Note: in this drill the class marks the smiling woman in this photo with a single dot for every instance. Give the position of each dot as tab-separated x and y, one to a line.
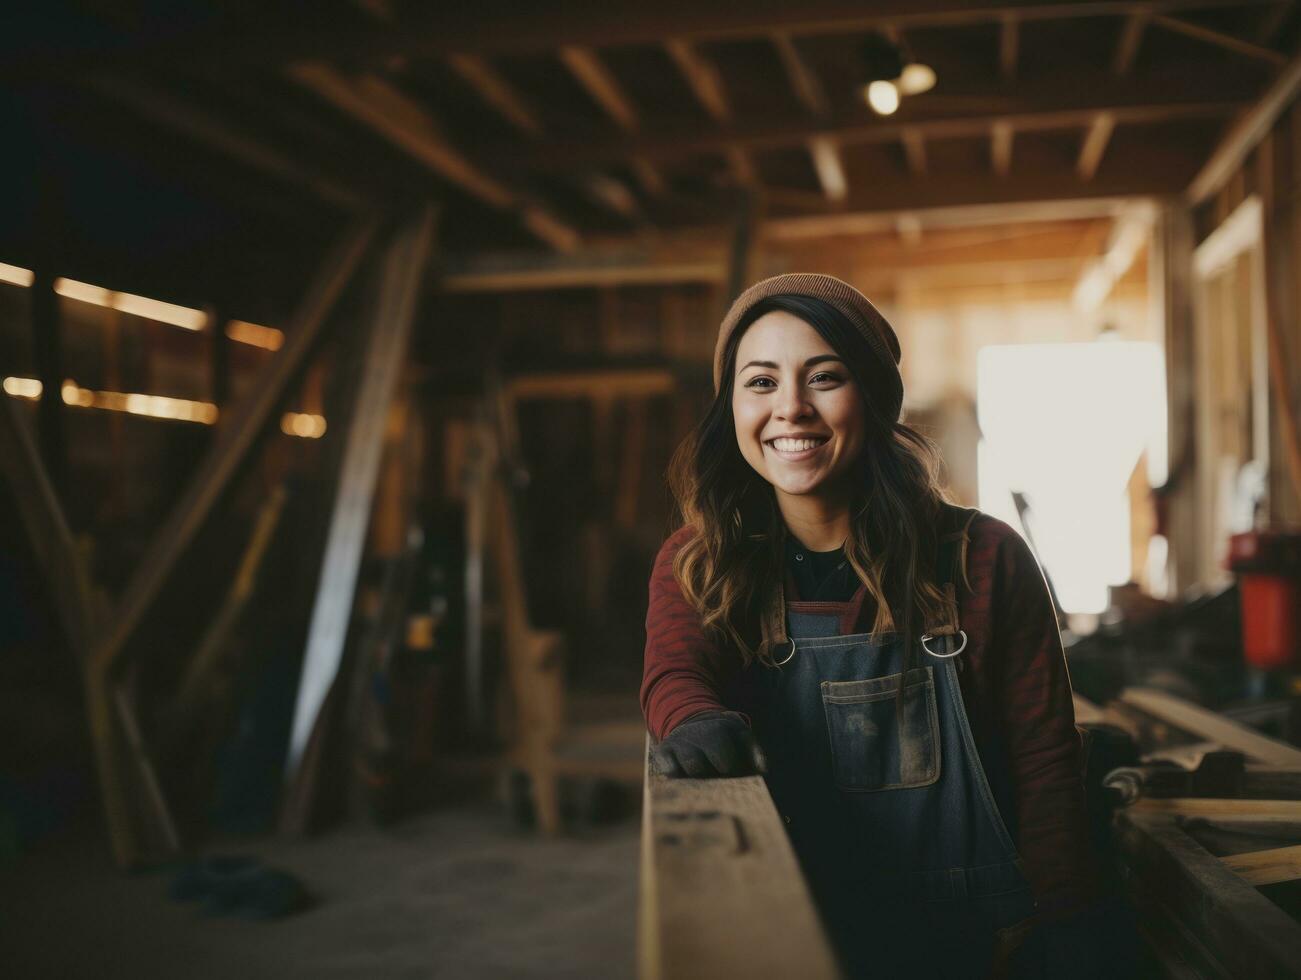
889	661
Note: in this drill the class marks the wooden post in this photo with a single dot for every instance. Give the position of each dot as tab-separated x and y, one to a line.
402	274
48	350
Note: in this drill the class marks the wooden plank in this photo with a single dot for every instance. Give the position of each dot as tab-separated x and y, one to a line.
1095	145
401	277
722	894
1008	42
47	527
591	73
406	124
1247	934
1227	41
1251	127
167	108
1251	811
1070	110
702	77
1000	147
496	27
212	646
234	442
830	168
495	91
914	147
1131	35
1213	727
804	81
1266	867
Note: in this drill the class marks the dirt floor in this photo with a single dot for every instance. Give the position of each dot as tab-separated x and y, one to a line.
457	893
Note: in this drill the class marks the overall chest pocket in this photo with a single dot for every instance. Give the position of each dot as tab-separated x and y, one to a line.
870	749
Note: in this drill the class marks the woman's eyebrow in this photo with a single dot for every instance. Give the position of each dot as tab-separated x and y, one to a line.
820	358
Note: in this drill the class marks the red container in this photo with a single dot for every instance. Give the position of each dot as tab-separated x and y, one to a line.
1268	565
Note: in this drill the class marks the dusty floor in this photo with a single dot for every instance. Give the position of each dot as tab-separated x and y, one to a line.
456	893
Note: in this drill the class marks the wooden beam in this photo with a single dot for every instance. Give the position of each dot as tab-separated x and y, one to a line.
1249	130
1131	36
707	86
1008	39
42	517
651	180
408	125
166	108
1066	205
1130	233
742	166
1095	145
1211	726
235	441
830	168
1266	867
1000	147
498	93
722	894
1248	935
584	64
1227	41
496	26
808	89
597	384
702	76
402	274
914	148
858	129
1209	808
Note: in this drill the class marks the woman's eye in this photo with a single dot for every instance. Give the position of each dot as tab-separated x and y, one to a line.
823	376
760	382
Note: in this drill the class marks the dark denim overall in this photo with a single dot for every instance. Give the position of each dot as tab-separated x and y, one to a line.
900	839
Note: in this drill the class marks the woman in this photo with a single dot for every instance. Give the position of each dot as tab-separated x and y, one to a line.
938	822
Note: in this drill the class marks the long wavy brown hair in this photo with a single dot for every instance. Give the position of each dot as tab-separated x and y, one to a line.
731	567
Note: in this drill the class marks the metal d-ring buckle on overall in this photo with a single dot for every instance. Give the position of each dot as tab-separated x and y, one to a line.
925	637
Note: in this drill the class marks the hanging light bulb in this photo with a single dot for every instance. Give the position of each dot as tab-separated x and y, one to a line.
916	79
883	97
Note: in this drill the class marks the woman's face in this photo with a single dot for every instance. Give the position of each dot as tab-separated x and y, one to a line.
800	418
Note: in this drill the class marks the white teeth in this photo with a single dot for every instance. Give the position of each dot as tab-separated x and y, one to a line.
795	445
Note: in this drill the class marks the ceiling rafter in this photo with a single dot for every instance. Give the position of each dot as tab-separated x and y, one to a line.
488	28
498	93
830	168
408	125
1095	145
914	148
706	84
1131	36
865	130
1000	147
824	151
1008	44
604	89
805	83
1227	41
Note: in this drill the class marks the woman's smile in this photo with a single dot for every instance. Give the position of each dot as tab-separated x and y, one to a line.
796	448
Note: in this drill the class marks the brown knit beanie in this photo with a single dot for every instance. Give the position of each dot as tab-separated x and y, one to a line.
882	344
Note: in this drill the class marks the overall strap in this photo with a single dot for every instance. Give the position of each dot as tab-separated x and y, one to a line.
950	569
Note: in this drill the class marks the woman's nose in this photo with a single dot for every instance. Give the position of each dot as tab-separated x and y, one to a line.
792	404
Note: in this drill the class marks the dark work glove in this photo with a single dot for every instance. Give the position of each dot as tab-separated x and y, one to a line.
707	746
